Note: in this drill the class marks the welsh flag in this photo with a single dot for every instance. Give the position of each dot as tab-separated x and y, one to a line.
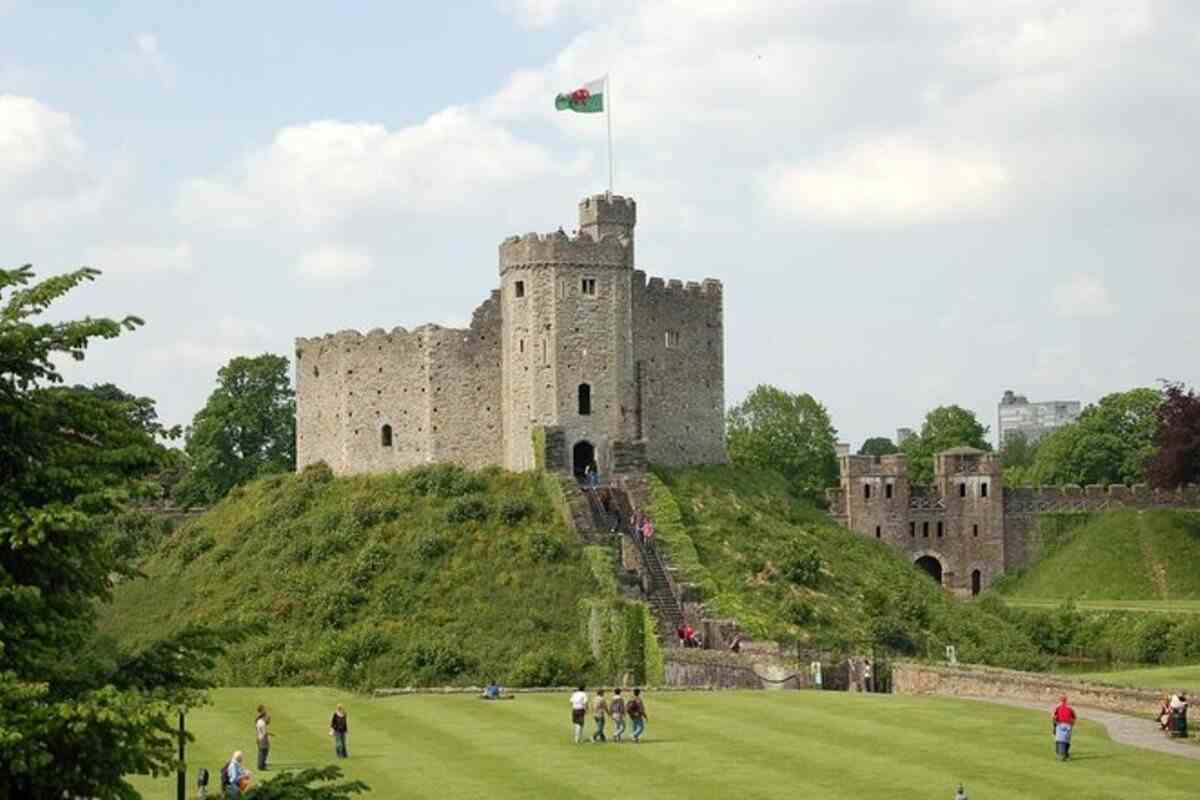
587	99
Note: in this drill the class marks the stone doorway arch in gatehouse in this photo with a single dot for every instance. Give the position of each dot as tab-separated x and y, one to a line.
931	566
582	454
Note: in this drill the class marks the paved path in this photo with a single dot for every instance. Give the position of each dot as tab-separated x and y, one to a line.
1121	728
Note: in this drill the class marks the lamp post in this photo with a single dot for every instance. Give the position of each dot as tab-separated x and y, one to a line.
181	778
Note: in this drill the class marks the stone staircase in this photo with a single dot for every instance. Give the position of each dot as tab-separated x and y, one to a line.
658	590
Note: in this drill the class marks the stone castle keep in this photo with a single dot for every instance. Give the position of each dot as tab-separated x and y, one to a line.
576	356
967	528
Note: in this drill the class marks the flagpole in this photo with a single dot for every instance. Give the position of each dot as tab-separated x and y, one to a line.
608	117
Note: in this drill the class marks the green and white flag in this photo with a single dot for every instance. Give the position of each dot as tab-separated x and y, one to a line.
587	99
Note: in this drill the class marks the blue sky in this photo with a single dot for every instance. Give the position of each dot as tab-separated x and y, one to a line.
910	204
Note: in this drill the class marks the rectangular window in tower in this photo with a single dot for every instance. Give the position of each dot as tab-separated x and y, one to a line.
866	491
962	490
521	345
672	338
983	489
887	491
878	532
519	288
588	287
974	530
912	529
925	530
939	530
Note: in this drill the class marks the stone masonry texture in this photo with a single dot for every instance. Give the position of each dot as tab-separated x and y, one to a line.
967	521
575	342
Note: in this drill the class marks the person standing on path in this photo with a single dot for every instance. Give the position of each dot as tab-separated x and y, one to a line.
599	713
637	712
616	709
261	721
338	730
1064	721
579	703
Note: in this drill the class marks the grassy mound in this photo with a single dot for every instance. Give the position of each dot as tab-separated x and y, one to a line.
1118	555
426	577
787	572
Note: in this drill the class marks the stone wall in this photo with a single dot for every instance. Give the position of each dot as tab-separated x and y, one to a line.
708	668
678	346
976	681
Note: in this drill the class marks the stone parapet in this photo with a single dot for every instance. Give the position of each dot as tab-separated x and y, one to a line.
1095	497
720	670
558	249
967	680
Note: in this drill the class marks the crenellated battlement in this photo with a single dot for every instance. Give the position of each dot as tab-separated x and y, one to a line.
709	287
558	249
1097	497
607	209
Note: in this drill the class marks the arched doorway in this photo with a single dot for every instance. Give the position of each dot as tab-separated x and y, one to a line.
931	566
582	454
976	581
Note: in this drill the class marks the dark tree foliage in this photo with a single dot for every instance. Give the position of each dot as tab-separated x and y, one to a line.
308	784
789	433
1176	460
878	446
77	713
246	429
944	427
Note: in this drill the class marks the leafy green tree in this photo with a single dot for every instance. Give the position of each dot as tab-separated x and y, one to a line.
299	786
1110	442
77	712
944	427
1177	439
878	446
789	433
246	429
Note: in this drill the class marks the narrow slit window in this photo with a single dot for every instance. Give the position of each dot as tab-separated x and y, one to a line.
939	529
974	530
962	490
912	530
878	532
866	491
520	288
887	491
585	399
925	530
588	287
983	490
521	345
385	436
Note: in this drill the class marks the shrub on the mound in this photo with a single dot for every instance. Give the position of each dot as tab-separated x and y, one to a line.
468	509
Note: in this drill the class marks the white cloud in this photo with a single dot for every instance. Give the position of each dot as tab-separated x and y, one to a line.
534	13
140	258
1083	296
231	337
322	172
32	136
888	181
1057	366
147	60
334	264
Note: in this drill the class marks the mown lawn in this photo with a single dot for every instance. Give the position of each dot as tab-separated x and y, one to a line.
699	745
1164	606
1169	678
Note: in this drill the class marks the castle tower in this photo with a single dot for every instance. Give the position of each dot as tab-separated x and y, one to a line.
971	485
567	350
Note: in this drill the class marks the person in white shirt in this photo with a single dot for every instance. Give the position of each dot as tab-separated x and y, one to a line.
579	704
261	721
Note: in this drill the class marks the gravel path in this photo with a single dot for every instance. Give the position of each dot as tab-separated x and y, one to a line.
1121	728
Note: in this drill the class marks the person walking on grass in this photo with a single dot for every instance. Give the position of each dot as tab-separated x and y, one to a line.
579	703
235	776
338	730
1063	722
636	709
616	710
599	713
261	721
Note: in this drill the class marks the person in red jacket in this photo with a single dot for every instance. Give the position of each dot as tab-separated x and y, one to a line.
1063	721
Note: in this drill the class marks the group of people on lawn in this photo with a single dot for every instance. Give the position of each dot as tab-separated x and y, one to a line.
603	709
235	778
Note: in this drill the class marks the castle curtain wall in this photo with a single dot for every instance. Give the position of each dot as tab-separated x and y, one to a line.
679	370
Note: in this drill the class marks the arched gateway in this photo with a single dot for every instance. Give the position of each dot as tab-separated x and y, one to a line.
931	566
